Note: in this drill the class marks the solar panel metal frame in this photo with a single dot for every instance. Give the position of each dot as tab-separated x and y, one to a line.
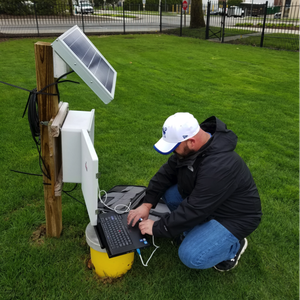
76	64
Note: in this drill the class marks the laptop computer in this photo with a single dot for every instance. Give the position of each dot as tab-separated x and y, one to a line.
116	236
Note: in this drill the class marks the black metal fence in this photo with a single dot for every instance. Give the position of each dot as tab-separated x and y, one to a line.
35	20
267	22
272	22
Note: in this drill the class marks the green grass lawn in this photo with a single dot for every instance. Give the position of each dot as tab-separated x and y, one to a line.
278	41
200	32
255	91
273	41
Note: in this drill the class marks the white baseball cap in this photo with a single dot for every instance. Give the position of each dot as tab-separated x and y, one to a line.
176	129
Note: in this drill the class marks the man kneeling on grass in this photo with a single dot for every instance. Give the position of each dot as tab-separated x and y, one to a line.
210	191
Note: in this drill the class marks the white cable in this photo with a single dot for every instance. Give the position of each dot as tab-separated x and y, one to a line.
140	255
115	209
127	209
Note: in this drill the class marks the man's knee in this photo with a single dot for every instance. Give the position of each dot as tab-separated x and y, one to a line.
172	197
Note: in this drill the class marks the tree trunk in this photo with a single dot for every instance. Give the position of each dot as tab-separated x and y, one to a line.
70	7
197	18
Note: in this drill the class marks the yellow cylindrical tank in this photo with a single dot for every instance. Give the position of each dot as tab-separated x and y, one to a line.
105	266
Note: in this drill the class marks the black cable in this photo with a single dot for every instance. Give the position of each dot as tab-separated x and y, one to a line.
34	124
67	193
58	80
74	188
44	183
33	117
74	198
26	173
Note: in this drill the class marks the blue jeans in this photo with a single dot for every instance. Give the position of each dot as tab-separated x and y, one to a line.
205	245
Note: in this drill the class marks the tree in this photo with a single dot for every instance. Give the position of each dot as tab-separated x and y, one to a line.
197	17
70	7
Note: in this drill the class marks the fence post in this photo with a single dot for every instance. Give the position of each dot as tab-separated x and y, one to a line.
263	30
223	21
82	17
124	31
36	19
207	21
160	17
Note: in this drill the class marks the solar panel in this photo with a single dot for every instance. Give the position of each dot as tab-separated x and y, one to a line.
85	59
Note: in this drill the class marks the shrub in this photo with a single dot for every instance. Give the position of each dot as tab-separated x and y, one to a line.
244	24
151	5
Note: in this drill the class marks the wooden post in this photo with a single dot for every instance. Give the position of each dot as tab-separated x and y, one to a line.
48	109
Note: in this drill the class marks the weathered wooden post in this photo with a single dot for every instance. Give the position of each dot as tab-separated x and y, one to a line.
50	147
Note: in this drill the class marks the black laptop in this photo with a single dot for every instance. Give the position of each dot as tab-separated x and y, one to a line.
116	236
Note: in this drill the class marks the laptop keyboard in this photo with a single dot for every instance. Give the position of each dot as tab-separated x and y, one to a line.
116	233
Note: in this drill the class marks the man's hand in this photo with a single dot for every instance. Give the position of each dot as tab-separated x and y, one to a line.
146	226
141	212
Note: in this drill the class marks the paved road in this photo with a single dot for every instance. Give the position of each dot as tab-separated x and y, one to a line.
109	24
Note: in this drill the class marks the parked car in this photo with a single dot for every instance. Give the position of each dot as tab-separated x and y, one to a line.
28	3
86	8
27	6
214	12
277	15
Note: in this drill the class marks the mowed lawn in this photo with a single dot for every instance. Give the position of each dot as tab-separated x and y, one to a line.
254	91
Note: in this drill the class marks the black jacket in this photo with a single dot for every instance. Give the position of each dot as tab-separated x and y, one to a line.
214	182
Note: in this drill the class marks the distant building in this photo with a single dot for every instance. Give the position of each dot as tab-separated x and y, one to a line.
278	2
289	2
288	8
